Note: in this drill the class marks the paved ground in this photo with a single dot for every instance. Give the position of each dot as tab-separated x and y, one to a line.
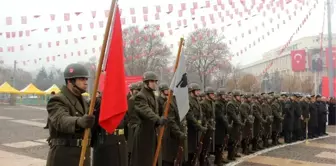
22	143
318	152
22	137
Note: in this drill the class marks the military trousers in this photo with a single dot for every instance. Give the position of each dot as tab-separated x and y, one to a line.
288	136
322	126
111	151
66	156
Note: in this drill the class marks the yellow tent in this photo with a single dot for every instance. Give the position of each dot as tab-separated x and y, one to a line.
6	88
52	88
85	94
31	89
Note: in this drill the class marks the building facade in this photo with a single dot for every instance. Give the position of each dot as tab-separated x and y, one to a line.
283	63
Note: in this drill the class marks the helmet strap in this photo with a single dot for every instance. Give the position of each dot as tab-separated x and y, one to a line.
77	90
147	86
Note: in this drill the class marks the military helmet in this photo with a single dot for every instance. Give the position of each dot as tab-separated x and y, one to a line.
247	95
202	94
277	96
163	86
269	97
221	91
139	85
133	86
209	90
75	70
194	86
270	93
236	93
149	76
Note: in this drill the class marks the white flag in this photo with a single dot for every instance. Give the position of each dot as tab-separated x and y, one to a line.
179	85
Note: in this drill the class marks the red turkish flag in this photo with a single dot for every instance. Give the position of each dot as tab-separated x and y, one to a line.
52	17
183	6
145	10
158	9
66	16
207	4
80	27
325	86
146	18
8	20
195	5
24	20
333	57
59	29
69	28
114	101
298	60
132	11
170	8
93	13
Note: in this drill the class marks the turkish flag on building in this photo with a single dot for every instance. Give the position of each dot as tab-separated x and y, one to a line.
325	86
333	57
298	60
114	101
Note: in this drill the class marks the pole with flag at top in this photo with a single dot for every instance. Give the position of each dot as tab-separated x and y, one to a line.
98	71
166	110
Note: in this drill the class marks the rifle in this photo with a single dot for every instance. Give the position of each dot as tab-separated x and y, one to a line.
209	134
199	149
179	156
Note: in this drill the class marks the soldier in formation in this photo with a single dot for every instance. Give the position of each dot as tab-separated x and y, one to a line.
67	116
216	122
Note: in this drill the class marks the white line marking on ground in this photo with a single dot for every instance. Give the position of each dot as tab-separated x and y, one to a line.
31	123
23	144
44	140
33	107
327	155
40	119
12	159
5	118
12	108
242	159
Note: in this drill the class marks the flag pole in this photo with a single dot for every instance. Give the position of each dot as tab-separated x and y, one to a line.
166	110
95	87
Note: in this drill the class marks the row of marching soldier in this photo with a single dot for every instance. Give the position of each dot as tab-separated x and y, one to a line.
217	121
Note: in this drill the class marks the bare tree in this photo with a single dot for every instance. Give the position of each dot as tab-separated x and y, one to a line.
205	50
247	82
230	85
22	77
221	74
290	83
144	49
308	85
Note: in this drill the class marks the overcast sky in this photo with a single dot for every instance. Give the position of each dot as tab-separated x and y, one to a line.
31	8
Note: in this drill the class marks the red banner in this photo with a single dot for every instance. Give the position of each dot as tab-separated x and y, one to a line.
333	57
298	60
129	80
325	86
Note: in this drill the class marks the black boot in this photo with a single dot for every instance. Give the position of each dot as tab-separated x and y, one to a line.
231	155
255	144
244	147
218	155
274	141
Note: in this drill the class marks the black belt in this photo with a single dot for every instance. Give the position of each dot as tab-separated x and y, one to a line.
117	132
67	142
